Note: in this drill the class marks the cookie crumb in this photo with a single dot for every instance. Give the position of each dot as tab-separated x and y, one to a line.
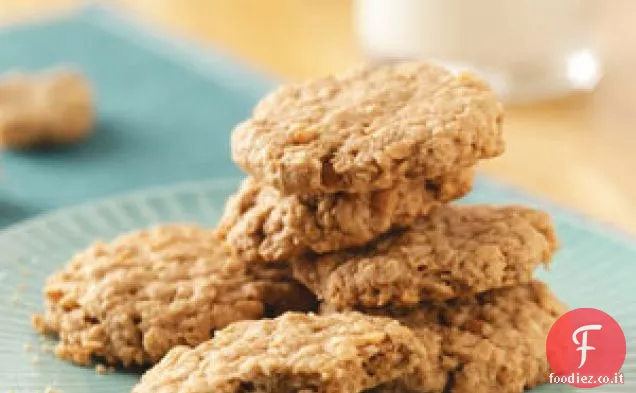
26	272
100	369
27	347
37	321
14	299
47	348
35	359
49	389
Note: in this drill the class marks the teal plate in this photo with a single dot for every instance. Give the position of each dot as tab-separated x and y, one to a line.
594	268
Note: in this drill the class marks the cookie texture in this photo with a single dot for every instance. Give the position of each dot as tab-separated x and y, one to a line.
260	224
455	251
133	299
369	128
494	342
53	107
339	353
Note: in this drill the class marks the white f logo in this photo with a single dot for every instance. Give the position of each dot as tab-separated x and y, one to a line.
583	344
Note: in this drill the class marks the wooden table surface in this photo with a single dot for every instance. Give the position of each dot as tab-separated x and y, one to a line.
579	151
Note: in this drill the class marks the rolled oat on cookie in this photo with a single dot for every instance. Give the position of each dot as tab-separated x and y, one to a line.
492	342
369	128
133	299
339	353
261	225
454	251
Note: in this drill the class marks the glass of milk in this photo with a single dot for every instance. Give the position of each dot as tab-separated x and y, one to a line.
527	49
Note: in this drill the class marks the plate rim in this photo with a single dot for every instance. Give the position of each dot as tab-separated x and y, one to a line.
146	192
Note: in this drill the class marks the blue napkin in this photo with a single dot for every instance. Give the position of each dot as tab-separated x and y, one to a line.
165	112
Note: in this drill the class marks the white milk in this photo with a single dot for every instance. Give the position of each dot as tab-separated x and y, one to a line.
528	49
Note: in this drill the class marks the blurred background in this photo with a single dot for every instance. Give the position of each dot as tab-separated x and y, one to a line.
564	69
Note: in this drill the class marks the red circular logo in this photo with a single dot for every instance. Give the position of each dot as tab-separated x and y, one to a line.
586	348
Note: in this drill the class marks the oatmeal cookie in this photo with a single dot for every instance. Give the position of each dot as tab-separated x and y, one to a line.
493	342
49	108
369	128
455	251
133	299
262	225
339	353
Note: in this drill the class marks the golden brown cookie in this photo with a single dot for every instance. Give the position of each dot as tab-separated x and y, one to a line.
494	342
131	300
455	251
48	108
369	128
262	225
339	353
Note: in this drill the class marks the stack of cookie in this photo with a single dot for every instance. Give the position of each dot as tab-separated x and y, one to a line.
347	202
337	162
350	179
